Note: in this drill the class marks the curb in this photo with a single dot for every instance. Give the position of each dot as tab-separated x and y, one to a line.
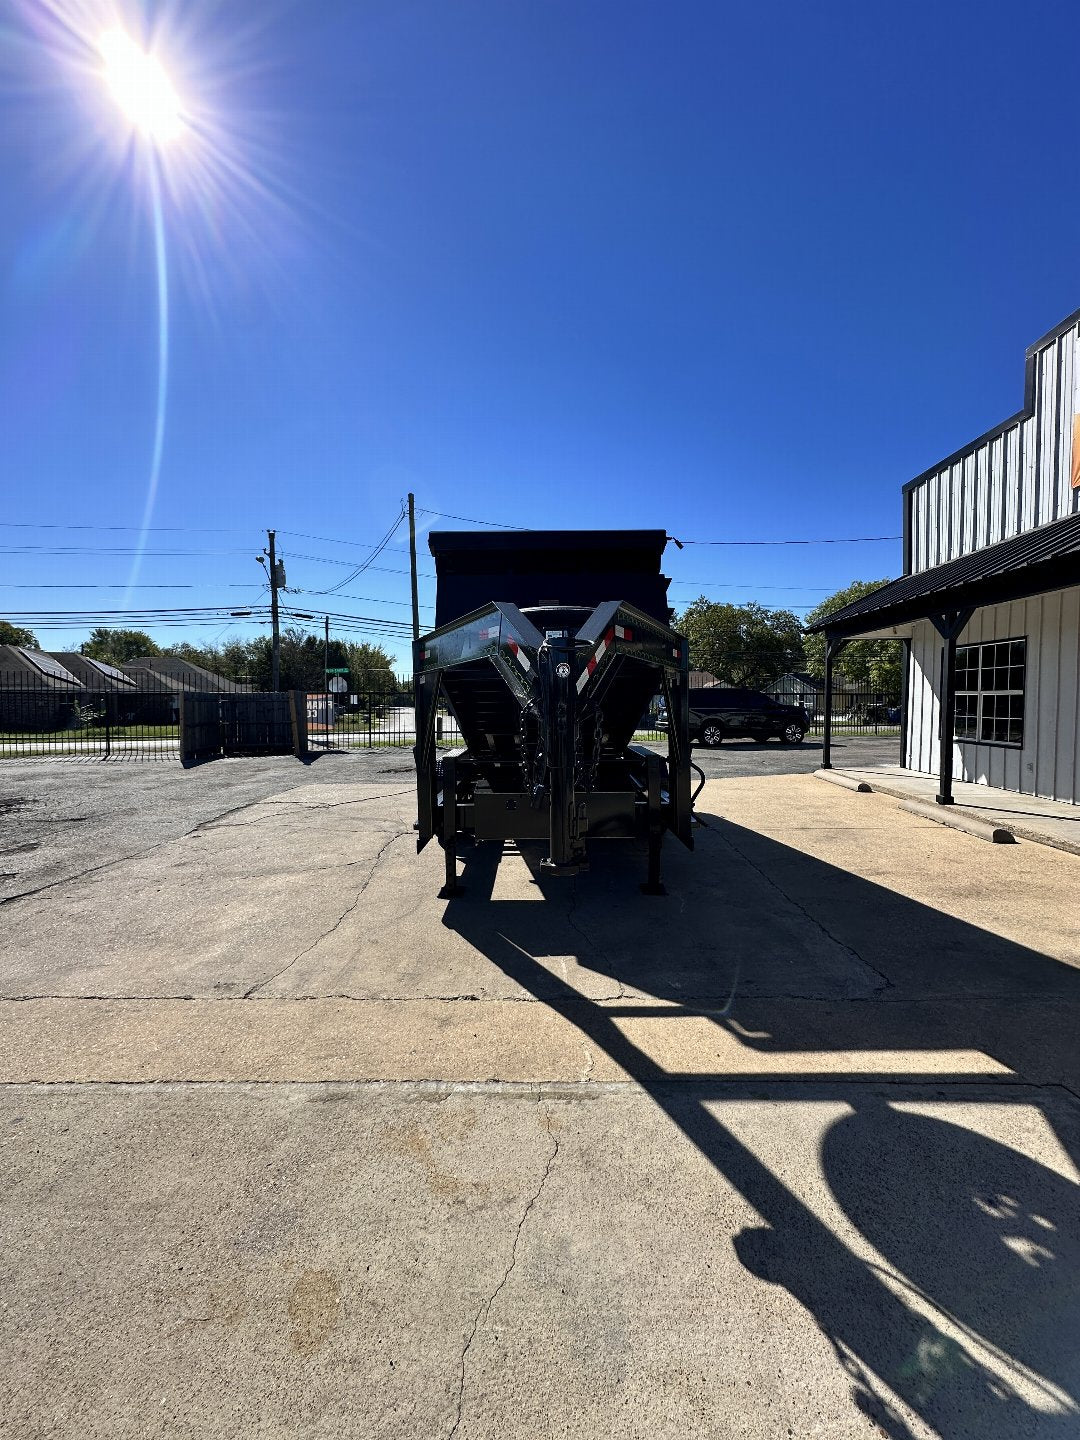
946	815
1018	829
835	777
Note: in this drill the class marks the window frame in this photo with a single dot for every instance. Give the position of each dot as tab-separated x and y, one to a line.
980	695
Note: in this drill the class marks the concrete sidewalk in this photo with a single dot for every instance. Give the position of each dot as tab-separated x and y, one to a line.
293	1148
1029	817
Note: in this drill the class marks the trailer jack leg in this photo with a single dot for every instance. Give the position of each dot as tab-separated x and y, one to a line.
654	885
450	888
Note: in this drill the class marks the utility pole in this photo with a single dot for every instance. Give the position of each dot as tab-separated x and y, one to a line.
326	679
275	652
412	567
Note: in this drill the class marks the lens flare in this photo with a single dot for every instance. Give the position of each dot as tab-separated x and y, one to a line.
141	88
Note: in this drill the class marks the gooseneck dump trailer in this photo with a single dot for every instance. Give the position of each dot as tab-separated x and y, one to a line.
549	647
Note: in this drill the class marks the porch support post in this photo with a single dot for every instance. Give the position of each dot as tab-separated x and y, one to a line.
948	625
905	691
833	645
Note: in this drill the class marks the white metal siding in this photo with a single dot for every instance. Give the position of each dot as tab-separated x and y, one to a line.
1011	483
1048	764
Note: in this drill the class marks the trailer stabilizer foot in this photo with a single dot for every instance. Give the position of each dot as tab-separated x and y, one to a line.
647	888
574	867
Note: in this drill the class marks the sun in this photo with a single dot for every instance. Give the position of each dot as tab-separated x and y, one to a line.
141	88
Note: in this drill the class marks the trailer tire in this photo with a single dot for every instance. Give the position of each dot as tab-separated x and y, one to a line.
712	736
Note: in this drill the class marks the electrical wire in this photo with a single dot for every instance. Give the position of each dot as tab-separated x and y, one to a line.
364	564
834	540
845	540
467	520
159	529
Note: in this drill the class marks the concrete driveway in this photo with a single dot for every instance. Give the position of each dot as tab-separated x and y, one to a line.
292	1148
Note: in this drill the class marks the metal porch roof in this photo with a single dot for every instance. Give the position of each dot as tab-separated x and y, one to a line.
1047	558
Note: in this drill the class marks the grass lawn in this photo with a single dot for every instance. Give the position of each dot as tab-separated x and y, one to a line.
94	732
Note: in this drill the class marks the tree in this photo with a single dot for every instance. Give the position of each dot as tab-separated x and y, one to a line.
875	664
371	669
117	647
744	645
17	635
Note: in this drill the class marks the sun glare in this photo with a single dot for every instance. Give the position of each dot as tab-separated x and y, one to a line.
141	88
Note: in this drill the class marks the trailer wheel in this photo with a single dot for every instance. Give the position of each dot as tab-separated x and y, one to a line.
712	735
793	733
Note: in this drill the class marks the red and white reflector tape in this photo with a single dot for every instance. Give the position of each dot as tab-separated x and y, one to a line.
519	654
617	631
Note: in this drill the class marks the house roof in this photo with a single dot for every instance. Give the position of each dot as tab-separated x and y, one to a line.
182	674
94	674
1039	560
155	681
19	663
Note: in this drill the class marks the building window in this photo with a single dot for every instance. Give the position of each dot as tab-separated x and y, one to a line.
990	692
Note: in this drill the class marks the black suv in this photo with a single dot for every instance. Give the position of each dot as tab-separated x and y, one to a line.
716	715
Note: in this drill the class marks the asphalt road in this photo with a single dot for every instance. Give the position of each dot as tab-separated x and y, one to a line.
293	1148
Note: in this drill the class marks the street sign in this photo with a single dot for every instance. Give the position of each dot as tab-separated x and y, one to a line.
341	670
338	684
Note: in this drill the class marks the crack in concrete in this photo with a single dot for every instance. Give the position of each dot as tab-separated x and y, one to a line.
279	805
398	835
123	859
485	1308
213	823
885	982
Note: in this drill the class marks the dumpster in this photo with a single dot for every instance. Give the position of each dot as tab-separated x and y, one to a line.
549	646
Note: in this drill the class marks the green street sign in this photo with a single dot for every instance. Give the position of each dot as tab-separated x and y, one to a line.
343	671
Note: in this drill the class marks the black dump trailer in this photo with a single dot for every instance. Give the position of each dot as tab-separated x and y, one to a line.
548	647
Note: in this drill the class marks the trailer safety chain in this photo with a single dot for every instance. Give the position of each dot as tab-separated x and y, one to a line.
598	737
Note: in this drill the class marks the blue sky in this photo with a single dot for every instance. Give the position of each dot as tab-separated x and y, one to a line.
736	271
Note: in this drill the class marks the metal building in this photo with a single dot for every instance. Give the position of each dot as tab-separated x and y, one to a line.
988	606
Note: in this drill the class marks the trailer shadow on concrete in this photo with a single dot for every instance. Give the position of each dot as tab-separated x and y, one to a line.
966	1228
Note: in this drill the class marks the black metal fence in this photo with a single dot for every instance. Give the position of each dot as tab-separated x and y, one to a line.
855	710
42	717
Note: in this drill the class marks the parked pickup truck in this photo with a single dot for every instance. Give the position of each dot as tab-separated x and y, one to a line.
717	715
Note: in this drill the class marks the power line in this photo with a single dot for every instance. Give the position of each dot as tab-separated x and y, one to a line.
738	585
364	564
140	529
106	550
467	520
834	540
183	585
341	595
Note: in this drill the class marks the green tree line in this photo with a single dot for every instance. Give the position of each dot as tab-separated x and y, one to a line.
751	646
